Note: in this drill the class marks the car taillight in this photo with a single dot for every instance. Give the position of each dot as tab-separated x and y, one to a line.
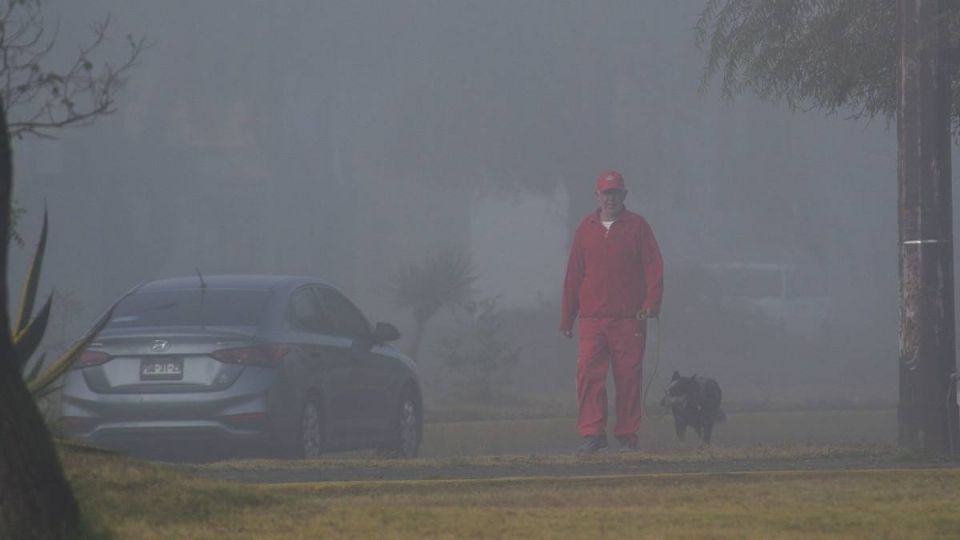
91	358
259	355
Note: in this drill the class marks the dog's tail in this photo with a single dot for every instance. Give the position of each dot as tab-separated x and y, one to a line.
721	416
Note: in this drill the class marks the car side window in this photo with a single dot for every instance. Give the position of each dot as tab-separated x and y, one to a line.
342	314
303	312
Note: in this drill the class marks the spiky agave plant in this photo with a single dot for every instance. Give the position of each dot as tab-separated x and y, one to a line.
28	330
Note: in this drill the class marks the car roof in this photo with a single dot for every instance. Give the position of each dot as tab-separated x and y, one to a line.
261	282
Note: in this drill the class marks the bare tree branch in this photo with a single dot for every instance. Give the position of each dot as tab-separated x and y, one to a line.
41	100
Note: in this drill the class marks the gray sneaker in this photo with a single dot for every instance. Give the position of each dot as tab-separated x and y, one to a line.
592	443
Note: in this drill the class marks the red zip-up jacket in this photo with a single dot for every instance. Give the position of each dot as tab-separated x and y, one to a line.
612	274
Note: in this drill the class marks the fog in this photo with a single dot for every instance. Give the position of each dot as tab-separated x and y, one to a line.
346	140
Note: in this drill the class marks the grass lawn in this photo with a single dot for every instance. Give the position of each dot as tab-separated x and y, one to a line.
126	498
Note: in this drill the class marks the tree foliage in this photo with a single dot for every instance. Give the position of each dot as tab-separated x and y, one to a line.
40	98
830	55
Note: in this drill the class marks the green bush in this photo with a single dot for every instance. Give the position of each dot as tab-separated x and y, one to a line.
476	354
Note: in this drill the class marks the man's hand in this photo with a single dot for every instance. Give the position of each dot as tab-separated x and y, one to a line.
647	314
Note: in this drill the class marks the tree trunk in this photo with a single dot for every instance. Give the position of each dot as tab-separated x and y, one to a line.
417	339
35	499
927	414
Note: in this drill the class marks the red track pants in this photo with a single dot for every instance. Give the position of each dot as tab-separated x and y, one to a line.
613	341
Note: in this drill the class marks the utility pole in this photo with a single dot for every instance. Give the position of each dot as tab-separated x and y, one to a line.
927	411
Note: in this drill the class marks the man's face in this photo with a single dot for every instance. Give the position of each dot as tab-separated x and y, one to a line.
611	200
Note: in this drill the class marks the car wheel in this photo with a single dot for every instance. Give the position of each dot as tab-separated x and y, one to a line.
310	441
408	424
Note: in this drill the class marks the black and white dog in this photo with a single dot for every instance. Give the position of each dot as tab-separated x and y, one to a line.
695	402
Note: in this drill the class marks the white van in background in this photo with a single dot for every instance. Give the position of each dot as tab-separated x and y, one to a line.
776	292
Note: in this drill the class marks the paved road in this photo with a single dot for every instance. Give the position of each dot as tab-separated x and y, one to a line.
352	470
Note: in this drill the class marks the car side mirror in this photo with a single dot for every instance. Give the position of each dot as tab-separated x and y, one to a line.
384	332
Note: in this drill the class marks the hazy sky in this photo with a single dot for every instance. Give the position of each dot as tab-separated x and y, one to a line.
346	139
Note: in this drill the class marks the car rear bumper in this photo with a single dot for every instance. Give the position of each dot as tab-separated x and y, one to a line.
115	433
247	412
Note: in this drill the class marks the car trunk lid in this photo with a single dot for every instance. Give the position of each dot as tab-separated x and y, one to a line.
166	359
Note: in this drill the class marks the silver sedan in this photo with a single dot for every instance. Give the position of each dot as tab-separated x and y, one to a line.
285	361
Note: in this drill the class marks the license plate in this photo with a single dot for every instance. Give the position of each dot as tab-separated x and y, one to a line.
161	369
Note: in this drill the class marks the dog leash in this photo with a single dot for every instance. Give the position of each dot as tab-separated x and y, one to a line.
656	364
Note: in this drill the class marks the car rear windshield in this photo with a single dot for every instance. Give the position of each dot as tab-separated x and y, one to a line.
193	307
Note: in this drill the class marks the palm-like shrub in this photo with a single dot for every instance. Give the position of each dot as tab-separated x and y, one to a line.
444	279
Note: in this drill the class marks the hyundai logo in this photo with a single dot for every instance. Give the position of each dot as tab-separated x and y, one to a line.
159	345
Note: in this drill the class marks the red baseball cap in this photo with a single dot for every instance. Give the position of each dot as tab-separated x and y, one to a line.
610	180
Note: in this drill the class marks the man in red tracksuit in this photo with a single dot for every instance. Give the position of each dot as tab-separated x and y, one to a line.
614	282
